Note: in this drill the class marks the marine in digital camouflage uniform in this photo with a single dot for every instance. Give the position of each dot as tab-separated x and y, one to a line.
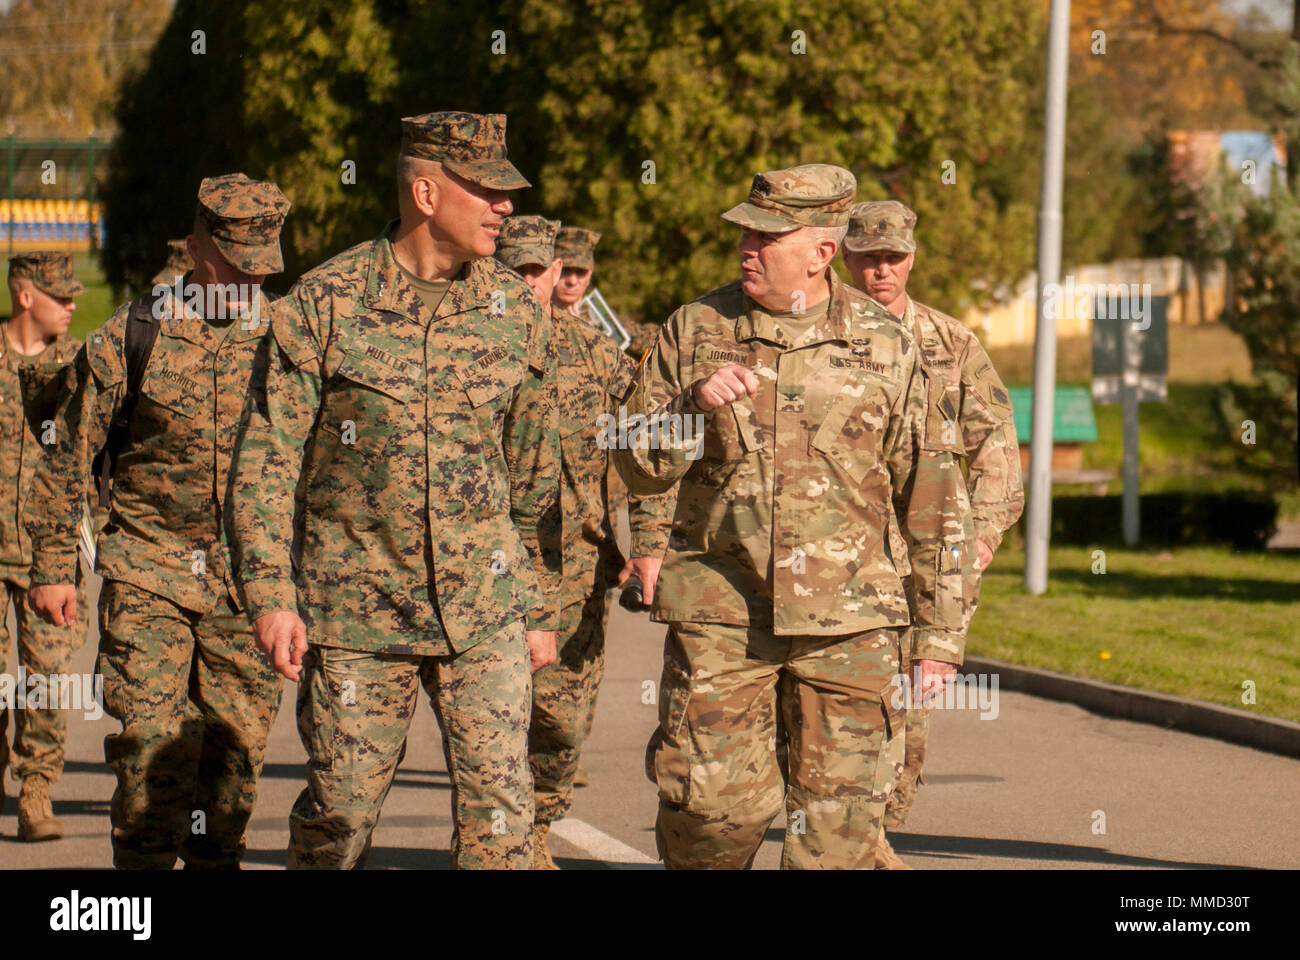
593	374
779	586
576	248
970	419
34	349
180	666
397	475
179	262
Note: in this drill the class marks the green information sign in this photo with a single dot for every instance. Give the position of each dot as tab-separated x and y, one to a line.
1072	418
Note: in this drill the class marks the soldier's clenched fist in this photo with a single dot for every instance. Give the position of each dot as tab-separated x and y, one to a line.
283	638
56	603
725	386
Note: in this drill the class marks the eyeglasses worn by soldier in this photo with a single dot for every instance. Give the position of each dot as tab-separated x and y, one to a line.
778	585
35	350
175	639
968	418
593	374
406	435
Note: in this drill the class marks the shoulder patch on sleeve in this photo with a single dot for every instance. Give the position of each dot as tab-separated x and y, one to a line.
982	380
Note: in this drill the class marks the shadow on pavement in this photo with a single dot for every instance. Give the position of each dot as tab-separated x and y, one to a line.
85	766
931	845
405	777
82	808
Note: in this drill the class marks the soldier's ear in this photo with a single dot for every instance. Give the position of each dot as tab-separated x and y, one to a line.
25	297
425	194
825	254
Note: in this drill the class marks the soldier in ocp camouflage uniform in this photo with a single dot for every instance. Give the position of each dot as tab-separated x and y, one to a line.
34	349
779	585
969	419
396	478
181	670
593	373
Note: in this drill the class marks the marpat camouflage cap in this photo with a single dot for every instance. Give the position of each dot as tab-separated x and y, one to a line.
881	225
179	263
577	247
50	271
525	240
244	218
809	195
470	145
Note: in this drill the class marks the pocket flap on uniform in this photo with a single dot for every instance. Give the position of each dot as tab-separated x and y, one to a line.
359	368
171	389
490	377
104	360
851	433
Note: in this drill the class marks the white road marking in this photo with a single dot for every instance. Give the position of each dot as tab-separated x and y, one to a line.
600	845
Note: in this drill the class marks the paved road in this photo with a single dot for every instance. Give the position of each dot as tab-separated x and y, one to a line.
1017	792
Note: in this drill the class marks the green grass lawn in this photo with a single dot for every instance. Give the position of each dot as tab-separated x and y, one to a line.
1196	622
93	307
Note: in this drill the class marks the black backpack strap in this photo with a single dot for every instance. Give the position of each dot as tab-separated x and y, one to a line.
141	334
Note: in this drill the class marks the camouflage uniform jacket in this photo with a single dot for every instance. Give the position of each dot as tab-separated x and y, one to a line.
24	408
784	520
165	532
399	468
594	374
984	433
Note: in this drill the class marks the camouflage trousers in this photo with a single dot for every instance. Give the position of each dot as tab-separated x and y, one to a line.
917	736
564	702
354	711
714	758
196	699
44	650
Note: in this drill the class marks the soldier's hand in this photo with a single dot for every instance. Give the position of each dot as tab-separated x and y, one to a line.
541	648
647	568
725	386
283	638
935	675
986	555
54	603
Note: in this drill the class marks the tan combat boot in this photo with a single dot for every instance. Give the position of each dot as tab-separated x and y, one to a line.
580	778
886	858
36	819
541	856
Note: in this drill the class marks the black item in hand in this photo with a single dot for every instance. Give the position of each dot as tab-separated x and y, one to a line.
631	599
